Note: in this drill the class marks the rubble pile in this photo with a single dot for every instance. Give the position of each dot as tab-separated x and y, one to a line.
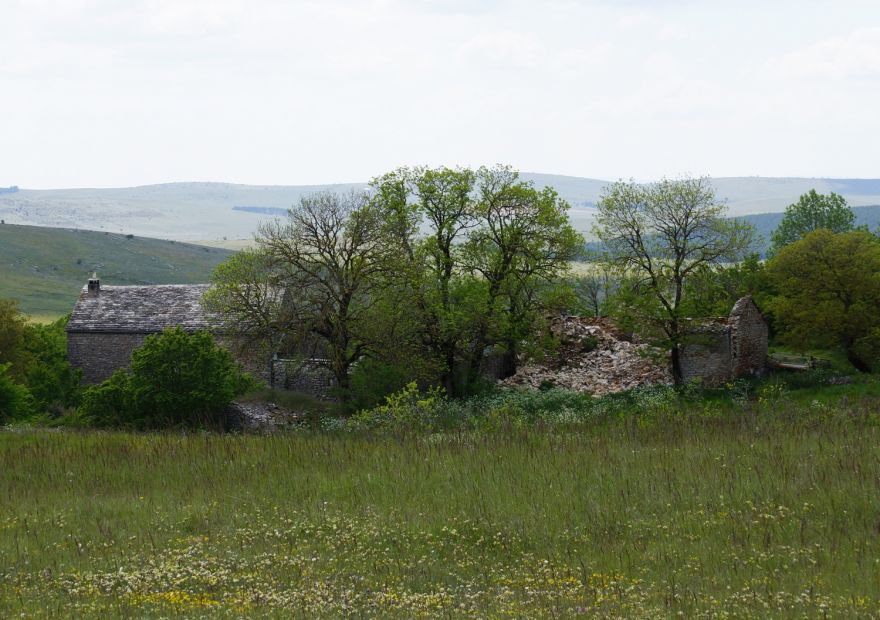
594	357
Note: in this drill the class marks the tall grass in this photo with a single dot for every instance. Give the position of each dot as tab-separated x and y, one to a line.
779	518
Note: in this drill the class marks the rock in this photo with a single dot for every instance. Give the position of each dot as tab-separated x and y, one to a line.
618	362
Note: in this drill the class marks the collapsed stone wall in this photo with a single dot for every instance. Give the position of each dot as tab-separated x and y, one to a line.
596	358
310	377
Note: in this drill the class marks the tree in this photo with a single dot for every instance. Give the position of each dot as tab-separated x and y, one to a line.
480	249
829	293
524	241
595	286
175	379
660	236
15	400
811	212
331	261
246	303
13	325
428	212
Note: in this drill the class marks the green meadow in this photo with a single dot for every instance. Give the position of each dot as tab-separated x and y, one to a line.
713	509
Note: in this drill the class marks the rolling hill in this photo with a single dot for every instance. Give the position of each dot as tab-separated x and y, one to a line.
214	211
45	268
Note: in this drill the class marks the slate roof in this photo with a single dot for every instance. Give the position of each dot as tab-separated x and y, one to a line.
140	309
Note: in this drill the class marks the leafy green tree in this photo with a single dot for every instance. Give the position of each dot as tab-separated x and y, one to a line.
52	381
12	331
15	400
829	293
428	213
713	290
480	250
812	211
176	379
523	242
661	236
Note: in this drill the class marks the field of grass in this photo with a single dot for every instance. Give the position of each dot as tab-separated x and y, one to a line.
771	510
45	268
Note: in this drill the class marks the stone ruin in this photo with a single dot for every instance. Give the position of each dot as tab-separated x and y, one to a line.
596	357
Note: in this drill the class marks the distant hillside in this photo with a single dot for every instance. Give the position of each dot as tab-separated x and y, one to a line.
214	211
766	223
45	268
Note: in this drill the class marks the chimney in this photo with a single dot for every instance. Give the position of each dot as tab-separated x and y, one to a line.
94	287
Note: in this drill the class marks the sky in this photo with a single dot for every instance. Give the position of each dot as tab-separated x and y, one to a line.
103	93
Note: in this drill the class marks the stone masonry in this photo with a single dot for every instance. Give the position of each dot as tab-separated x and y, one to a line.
726	349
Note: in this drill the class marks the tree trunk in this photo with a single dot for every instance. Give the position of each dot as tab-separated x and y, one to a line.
675	357
856	360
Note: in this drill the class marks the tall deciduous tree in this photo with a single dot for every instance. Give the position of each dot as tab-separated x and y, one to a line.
660	236
480	246
312	281
813	211
829	293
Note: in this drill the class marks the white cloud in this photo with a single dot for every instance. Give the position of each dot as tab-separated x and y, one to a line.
856	55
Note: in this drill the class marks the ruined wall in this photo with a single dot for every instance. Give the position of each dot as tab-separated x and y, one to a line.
749	339
307	377
99	355
707	357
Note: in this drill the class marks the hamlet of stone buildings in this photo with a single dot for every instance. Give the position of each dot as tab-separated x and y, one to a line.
109	322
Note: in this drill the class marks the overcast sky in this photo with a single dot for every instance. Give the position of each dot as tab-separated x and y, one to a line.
109	93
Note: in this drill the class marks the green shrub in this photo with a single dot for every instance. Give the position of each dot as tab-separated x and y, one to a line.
15	400
405	410
176	379
372	381
53	382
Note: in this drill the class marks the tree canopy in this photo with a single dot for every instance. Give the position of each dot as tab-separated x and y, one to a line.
661	236
829	293
813	211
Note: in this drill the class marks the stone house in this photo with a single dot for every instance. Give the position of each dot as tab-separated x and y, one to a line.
109	322
727	348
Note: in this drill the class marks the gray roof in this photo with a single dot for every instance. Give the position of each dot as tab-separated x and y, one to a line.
140	309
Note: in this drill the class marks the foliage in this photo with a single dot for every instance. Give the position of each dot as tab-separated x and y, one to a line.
12	331
812	212
829	292
53	382
493	253
405	410
660	236
176	379
15	400
36	359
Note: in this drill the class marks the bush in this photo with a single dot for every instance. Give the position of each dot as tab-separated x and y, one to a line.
53	382
176	379
15	400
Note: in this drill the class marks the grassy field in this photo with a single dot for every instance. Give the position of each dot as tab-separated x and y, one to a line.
771	513
45	268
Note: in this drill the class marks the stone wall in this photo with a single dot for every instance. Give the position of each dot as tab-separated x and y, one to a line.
749	339
728	348
98	355
307	377
707	355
